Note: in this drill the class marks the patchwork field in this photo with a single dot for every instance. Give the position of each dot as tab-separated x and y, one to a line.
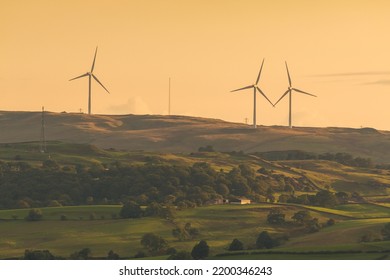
218	225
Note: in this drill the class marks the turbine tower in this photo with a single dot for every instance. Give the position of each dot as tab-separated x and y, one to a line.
90	75
289	91
255	88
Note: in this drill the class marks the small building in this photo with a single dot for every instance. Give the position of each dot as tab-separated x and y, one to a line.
218	201
240	200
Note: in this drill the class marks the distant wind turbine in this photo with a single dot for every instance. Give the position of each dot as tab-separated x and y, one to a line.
90	75
289	91
255	88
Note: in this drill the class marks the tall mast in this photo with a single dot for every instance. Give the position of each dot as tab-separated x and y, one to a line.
169	97
43	138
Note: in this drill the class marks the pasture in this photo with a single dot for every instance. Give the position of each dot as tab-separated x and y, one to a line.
218	225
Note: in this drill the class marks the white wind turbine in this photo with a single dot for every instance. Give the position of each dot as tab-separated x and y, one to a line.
255	88
90	75
289	91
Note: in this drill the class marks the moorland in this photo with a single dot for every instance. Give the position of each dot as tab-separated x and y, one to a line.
106	183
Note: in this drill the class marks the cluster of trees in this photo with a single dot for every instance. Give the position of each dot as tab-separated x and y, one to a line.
384	234
185	233
83	254
322	198
24	186
263	241
156	245
301	218
133	210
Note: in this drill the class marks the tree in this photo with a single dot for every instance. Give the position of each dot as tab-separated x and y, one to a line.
153	242
83	254
330	222
200	251
265	241
38	255
386	232
222	189
236	245
34	215
131	210
50	164
325	198
208	148
112	255
180	233
168	213
302	217
153	209
283	198
313	226
188	232
342	197
276	217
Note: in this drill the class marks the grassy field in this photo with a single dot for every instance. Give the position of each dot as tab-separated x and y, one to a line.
218	225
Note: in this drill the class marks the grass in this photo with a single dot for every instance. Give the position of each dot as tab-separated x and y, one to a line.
71	212
64	237
354	211
314	256
218	225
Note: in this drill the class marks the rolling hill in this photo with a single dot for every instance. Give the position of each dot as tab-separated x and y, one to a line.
187	134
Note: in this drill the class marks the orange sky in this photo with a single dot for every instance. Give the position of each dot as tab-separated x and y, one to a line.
338	50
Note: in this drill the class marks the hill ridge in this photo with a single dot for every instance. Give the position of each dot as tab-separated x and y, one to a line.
178	133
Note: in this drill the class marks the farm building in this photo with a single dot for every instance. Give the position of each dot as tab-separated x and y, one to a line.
240	200
217	201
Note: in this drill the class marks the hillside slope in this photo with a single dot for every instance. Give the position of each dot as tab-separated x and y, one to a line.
186	134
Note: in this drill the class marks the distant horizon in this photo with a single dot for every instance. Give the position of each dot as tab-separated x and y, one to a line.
190	116
334	50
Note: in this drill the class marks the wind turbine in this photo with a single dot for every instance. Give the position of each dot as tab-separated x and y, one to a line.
255	88
90	75
289	91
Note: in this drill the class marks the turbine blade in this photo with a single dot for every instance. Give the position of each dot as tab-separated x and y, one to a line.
86	74
284	94
99	82
258	76
94	58
288	74
262	93
298	90
242	88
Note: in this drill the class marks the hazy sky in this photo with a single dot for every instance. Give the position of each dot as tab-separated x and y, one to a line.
338	50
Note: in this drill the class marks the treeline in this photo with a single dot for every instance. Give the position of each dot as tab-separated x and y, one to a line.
343	158
24	186
322	198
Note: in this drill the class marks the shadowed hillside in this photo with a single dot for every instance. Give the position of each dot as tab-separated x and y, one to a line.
187	134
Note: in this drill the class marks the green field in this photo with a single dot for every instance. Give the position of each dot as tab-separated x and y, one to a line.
97	226
218	225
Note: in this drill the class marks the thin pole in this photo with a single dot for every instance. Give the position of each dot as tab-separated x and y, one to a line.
169	97
43	139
